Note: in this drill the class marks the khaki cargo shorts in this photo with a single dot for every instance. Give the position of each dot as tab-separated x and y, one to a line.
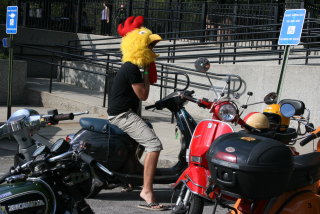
138	129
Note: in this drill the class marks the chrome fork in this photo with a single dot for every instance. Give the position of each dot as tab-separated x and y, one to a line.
181	205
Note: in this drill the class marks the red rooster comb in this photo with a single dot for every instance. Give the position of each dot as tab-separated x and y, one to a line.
130	24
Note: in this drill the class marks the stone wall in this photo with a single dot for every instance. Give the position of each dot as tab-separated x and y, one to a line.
18	81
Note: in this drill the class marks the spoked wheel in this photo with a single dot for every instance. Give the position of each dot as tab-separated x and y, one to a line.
188	203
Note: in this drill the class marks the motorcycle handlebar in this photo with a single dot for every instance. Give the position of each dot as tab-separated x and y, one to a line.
187	96
92	162
87	159
315	134
60	117
61	156
308	139
194	100
3	178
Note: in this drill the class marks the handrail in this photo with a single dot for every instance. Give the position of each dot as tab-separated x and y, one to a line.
210	74
107	74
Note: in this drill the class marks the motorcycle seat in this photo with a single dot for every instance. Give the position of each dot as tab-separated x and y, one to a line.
306	170
100	125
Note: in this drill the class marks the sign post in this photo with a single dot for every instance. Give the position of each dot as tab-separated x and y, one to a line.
11	28
290	34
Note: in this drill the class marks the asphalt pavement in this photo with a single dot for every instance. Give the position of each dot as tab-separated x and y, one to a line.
108	201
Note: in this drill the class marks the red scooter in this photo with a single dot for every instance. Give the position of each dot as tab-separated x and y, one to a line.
264	174
194	181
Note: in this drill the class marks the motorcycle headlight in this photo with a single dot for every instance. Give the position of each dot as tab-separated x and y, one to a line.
227	112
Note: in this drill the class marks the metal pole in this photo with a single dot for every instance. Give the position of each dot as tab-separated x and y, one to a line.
283	68
10	74
51	74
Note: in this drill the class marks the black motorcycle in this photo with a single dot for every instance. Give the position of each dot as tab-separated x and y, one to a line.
52	182
24	124
121	154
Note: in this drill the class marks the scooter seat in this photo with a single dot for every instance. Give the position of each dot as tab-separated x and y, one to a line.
306	170
100	125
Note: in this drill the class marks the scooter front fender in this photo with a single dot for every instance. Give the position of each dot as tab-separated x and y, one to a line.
196	179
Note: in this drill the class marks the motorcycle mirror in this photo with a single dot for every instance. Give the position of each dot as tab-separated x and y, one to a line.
40	150
287	110
309	127
202	64
270	98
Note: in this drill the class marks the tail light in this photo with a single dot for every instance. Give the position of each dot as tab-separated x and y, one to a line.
226	157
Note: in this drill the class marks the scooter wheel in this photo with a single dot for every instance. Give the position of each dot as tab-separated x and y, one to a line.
196	204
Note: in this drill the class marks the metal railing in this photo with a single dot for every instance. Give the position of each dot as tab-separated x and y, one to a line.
161	16
228	45
170	76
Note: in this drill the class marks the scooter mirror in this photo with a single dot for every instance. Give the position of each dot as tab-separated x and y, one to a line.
202	64
270	98
287	110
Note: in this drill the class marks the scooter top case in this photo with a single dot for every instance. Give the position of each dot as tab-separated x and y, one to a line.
251	166
31	196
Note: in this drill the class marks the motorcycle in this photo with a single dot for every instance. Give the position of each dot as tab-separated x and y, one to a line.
193	182
23	124
263	173
52	181
121	154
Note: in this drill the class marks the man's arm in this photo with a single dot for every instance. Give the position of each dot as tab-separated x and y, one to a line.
142	89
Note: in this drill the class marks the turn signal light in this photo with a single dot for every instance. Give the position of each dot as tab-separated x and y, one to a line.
196	159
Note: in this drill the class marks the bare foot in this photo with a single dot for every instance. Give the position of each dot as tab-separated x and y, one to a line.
147	196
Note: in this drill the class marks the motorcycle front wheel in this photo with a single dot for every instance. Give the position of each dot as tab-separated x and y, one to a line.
196	204
188	203
93	185
94	191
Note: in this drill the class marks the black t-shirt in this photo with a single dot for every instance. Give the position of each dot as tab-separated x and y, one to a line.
122	96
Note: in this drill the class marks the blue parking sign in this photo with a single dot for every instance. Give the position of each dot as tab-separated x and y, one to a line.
292	26
12	20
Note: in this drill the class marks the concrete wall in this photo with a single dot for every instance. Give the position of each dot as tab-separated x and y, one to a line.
300	82
84	79
18	81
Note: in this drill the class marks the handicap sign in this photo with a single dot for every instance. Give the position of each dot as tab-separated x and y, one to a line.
292	26
12	20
